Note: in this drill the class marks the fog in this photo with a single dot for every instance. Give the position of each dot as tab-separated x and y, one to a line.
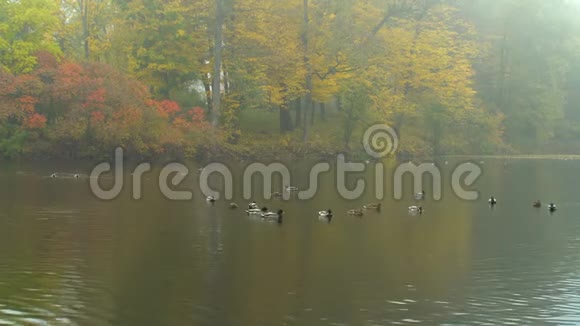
228	78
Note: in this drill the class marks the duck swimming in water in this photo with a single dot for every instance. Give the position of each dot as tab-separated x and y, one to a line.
420	195
210	199
355	212
537	203
326	213
271	215
252	205
257	210
492	200
552	207
416	209
373	206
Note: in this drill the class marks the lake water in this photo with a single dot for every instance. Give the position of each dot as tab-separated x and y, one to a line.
68	258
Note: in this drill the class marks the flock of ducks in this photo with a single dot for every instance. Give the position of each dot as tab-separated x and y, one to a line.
254	209
537	204
55	175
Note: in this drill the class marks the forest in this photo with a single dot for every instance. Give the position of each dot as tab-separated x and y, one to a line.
263	78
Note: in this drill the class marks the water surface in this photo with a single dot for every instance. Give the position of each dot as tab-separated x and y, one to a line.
68	258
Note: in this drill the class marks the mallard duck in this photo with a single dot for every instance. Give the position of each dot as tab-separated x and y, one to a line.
373	206
420	195
326	213
210	199
252	205
233	205
537	203
355	212
552	207
257	210
272	215
416	209
492	200
290	188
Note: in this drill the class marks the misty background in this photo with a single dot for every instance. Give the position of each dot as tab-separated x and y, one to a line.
255	78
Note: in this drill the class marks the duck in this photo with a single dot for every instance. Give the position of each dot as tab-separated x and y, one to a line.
552	207
277	214
420	195
373	206
355	212
537	203
76	176
416	209
290	188
257	210
326	213
53	175
210	199
492	200
252	205
233	205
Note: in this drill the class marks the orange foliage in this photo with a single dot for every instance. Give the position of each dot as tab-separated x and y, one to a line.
26	103
35	121
97	116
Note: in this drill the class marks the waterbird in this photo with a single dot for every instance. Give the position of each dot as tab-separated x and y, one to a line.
492	200
233	205
373	206
537	203
355	212
76	176
277	215
53	175
416	209
257	210
552	207
420	195
210	199
290	188
326	213
252	205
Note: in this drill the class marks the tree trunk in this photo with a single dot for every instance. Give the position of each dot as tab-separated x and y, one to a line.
312	113
348	127
322	112
207	88
285	119
84	6
298	108
217	64
308	81
226	79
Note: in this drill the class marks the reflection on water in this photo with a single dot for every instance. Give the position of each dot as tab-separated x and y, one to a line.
67	258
